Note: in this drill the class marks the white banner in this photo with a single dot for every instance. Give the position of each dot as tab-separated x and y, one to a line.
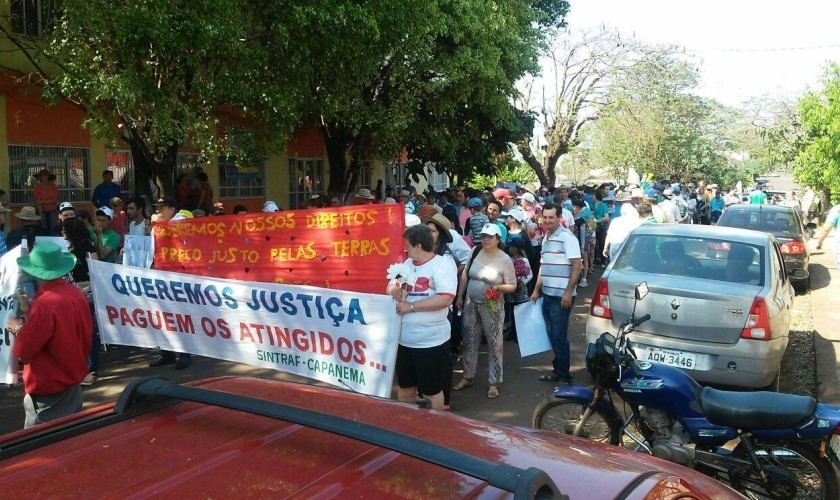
9	273
348	339
533	339
137	251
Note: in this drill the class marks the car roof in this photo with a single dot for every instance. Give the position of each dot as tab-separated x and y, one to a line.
168	440
760	208
702	231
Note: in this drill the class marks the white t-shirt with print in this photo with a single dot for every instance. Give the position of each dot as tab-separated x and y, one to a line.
423	329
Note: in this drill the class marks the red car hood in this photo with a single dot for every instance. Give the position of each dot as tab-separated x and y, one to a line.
196	450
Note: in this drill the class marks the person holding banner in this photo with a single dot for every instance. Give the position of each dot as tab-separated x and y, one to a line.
423	303
107	240
167	210
136	211
54	340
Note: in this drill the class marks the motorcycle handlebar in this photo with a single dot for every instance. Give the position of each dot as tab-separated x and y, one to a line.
641	320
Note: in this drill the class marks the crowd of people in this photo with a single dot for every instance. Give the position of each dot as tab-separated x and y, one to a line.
475	253
510	245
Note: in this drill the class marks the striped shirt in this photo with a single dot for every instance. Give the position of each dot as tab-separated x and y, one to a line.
558	250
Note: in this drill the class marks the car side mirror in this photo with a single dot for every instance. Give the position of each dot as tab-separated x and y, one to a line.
811	225
641	290
799	274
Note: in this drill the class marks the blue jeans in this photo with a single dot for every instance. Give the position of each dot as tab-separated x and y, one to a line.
557	325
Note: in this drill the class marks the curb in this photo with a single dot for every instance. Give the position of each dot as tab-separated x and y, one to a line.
825	291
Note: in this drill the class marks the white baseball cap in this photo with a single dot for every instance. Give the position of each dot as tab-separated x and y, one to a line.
529	198
517	214
107	212
491	230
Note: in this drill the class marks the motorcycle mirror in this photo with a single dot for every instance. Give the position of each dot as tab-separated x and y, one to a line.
609	344
641	290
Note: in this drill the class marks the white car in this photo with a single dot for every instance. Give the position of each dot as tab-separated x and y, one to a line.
719	301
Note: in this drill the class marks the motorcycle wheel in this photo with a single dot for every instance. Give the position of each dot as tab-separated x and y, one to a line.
562	416
815	476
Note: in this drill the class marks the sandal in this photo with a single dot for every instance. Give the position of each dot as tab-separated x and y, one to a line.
549	377
493	392
463	384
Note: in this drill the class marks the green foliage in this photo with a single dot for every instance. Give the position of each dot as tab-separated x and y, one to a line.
239	75
818	160
160	75
439	85
506	168
656	126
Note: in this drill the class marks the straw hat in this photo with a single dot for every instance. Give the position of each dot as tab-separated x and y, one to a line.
366	194
28	213
442	224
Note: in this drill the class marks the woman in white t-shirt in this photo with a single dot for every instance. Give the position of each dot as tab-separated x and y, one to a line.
423	353
486	279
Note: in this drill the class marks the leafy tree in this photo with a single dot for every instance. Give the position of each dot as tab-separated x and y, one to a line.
584	67
439	85
161	75
506	168
470	143
818	160
653	124
224	75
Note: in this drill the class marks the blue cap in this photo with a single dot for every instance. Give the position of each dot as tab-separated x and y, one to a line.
475	202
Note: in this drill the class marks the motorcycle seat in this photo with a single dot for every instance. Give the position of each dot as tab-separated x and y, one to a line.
755	410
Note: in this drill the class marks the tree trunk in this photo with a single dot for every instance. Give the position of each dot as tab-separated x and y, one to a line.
534	163
825	201
153	179
337	143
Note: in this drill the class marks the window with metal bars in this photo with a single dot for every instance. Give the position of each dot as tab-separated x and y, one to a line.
306	179
71	167
121	163
34	17
241	181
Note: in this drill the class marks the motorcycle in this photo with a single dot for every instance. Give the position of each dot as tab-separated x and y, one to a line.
787	445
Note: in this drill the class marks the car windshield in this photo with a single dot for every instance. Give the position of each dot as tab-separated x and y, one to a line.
782	224
702	258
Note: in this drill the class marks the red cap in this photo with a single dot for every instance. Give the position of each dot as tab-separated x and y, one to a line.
502	193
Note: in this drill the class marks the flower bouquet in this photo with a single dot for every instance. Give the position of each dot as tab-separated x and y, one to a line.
520	269
401	274
492	299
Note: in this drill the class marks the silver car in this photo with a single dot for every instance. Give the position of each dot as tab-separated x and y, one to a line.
719	301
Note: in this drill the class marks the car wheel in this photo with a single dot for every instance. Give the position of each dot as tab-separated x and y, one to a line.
803	286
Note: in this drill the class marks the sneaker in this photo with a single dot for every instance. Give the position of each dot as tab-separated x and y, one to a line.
582	283
183	362
89	379
162	359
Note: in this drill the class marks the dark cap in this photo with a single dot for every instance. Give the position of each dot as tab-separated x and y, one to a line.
167	202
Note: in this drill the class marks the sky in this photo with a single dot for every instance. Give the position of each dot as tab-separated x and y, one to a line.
746	48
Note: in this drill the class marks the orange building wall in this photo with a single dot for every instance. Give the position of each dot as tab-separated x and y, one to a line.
306	142
30	121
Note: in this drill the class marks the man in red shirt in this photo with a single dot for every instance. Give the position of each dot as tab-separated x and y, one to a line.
54	340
